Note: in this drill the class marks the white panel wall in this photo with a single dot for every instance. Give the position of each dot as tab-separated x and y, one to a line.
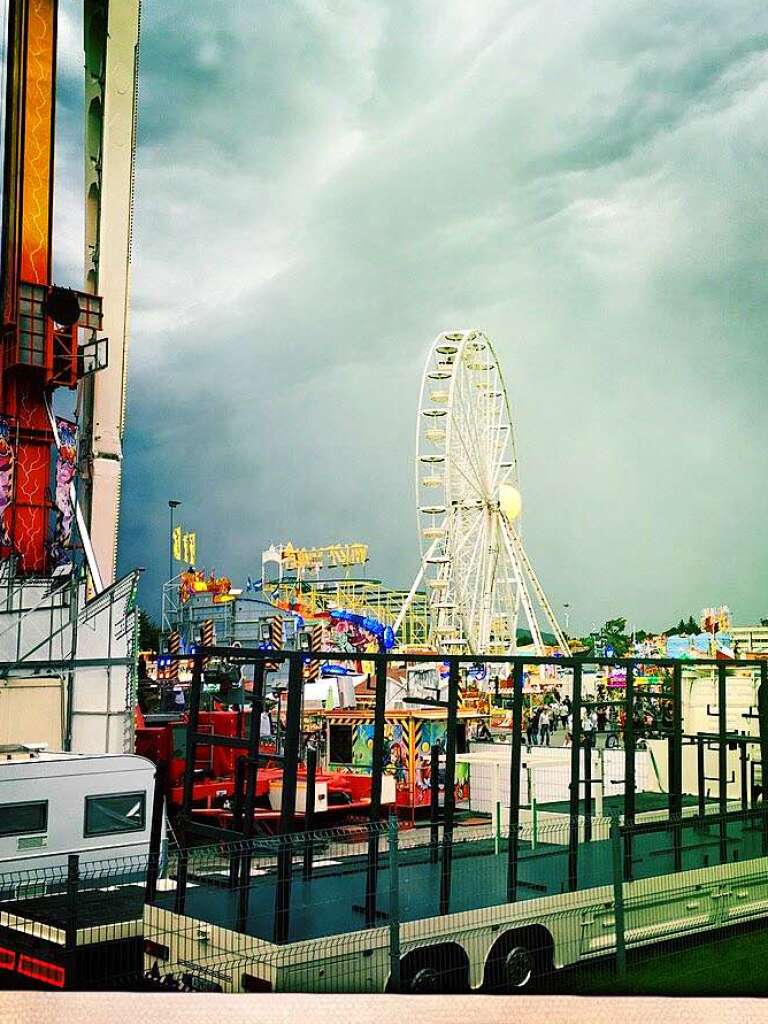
550	774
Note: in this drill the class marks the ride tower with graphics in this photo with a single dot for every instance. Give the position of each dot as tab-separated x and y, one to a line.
66	629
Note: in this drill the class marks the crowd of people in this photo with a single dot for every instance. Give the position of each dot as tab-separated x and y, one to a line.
541	722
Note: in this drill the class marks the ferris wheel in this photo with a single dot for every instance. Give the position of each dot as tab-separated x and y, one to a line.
479	581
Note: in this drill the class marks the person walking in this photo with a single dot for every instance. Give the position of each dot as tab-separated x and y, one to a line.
544	728
602	717
529	728
588	730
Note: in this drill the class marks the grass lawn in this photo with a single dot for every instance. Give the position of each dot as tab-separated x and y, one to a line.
733	965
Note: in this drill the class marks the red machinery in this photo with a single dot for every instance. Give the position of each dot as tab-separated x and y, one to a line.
48	333
215	769
166	745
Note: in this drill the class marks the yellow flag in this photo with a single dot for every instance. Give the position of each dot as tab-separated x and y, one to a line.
190	548
176	538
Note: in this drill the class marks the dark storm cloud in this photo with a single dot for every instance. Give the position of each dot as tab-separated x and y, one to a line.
323	187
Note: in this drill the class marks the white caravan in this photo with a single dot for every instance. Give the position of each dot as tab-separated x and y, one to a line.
53	804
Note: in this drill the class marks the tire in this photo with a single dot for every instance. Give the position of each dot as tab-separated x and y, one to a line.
426	980
435	970
515	969
518	961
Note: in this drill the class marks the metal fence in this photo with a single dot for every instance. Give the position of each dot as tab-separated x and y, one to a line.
120	923
548	898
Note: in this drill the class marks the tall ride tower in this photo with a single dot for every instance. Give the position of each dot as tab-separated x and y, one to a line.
111	74
67	650
49	334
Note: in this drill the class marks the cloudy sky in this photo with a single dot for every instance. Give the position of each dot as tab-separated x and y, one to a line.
324	185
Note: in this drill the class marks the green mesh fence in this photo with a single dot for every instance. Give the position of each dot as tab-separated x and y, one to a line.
596	907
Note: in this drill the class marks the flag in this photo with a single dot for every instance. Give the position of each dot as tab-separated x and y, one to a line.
176	543
189	542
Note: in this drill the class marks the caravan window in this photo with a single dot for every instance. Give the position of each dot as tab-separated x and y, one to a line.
18	819
114	812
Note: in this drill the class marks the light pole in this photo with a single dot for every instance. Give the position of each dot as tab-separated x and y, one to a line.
171	505
566	606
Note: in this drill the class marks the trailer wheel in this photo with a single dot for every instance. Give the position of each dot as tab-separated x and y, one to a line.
518	959
435	970
425	981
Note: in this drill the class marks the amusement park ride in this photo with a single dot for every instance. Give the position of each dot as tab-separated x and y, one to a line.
474	566
67	631
71	627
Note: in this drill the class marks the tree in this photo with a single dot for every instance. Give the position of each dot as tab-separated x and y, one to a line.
149	633
683	628
612	634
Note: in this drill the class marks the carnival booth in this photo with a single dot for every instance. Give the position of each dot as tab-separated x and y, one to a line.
409	736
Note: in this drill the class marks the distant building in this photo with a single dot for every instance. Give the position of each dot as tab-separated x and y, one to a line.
750	639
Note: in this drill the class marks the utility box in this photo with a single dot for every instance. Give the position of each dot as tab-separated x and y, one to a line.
321	795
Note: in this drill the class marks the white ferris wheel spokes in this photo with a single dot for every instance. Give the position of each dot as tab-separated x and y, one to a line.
474	567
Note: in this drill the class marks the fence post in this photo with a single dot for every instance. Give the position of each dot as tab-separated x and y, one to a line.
394	909
434	802
281	929
70	929
449	794
377	767
675	753
156	834
762	710
309	812
237	821
514	781
722	760
575	784
618	896
629	768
